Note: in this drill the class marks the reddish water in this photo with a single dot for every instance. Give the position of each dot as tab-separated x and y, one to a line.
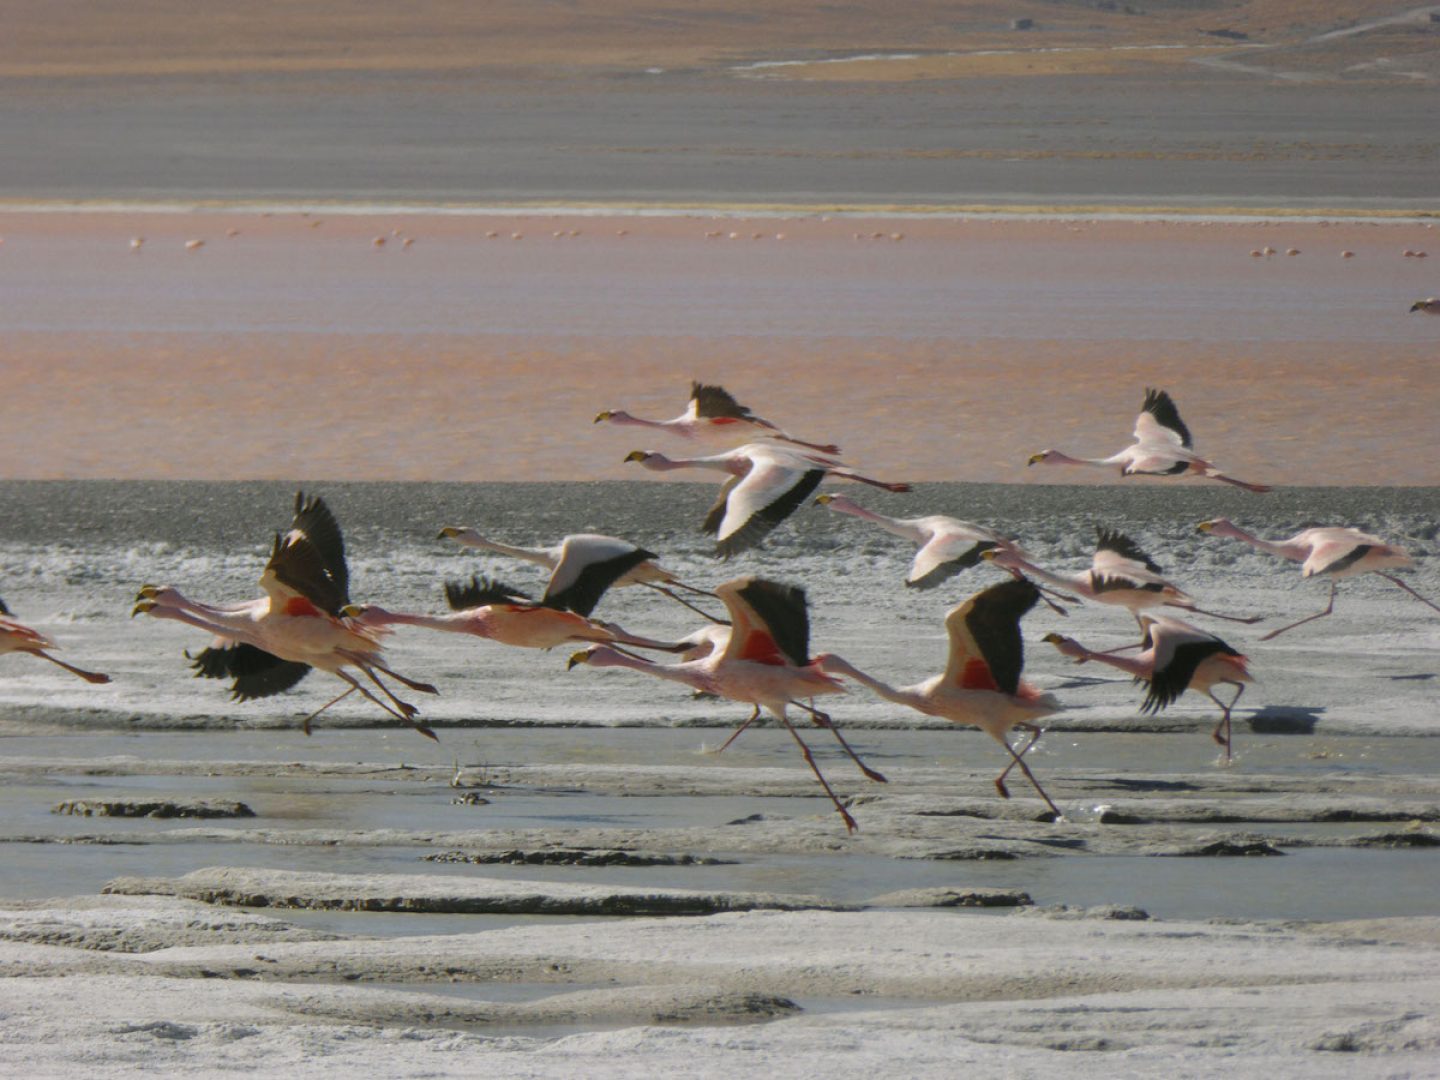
303	350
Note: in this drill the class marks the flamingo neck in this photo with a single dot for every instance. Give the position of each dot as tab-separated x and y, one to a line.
831	664
688	673
1285	549
1018	562
540	557
889	524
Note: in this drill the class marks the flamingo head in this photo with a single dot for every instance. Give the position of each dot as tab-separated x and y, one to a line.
1003	557
649	458
581	657
457	532
1041	457
1218	527
160	594
611	414
143	607
1067	646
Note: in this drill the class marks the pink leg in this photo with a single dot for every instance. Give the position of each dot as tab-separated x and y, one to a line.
850	825
88	676
736	733
1407	588
867	480
1328	609
1224	724
1018	760
823	720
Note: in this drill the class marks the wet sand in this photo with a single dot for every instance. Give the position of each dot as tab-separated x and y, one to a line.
291	345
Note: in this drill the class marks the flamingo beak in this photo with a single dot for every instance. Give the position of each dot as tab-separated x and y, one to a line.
636	455
822	500
143	607
989	554
577	658
353	611
1206	526
147	592
1035	459
1053	639
448	532
600	417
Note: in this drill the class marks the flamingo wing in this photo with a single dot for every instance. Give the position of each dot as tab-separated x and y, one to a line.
716	403
943	557
588	566
480	591
775	487
1159	421
257	673
986	650
1178	656
769	622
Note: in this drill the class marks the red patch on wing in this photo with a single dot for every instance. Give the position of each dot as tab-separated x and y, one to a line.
976	676
761	648
298	605
717	420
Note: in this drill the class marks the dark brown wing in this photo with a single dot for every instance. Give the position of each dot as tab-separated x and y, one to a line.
298	565
950	567
715	402
316	523
3	609
581	595
782	610
479	591
991	621
1159	405
1122	545
257	673
1173	679
765	520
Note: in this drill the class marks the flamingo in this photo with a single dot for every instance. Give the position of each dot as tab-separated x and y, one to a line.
1120	574
15	636
767	484
583	565
485	608
713	412
1162	447
1429	307
947	545
1336	552
267	645
765	662
1176	657
981	683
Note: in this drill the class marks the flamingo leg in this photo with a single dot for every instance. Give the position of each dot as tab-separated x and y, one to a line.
88	676
1248	620
406	709
1311	618
1224	724
866	480
305	724
823	720
850	825
1215	474
736	733
686	603
827	448
1407	588
420	687
1018	759
1035	733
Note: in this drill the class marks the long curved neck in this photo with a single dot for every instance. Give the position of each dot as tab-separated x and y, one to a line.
1016	561
1141	666
1055	457
455	622
893	525
624	419
688	674
837	665
217	623
539	556
1283	549
661	463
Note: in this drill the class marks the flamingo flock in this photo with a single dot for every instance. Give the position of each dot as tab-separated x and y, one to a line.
758	653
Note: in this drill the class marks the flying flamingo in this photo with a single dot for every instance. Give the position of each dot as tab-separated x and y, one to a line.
765	662
1162	447
947	545
1120	574
713	412
485	608
583	565
1176	657
269	644
767	484
981	683
1336	552
15	636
